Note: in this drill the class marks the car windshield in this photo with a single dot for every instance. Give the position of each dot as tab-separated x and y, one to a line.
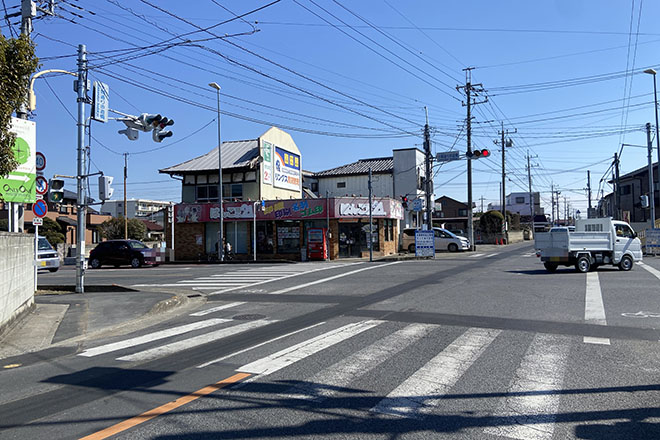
44	245
137	245
451	234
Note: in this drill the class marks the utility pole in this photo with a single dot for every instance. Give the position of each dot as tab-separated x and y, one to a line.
469	88
428	182
531	195
504	143
589	189
552	203
125	201
81	88
649	142
371	222
565	210
482	198
617	193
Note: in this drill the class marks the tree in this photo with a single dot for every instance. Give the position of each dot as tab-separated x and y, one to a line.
113	229
51	230
491	222
17	63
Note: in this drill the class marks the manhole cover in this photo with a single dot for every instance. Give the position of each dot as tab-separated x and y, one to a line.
249	317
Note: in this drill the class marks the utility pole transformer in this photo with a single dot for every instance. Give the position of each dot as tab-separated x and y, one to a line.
428	181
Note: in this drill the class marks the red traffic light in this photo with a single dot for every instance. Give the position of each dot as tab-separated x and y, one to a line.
485	153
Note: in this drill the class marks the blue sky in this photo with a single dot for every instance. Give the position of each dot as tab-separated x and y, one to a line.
349	80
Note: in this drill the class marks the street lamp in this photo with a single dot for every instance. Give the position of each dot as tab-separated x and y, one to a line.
221	247
657	140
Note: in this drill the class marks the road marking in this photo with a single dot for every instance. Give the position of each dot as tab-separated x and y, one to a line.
153	413
295	353
341	275
164	350
492	255
476	255
594	310
426	387
653	271
217	309
329	381
530	408
155	336
220	359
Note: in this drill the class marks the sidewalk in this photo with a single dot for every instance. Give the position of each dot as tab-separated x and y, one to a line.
65	318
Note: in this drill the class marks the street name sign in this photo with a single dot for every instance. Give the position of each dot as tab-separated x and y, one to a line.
447	156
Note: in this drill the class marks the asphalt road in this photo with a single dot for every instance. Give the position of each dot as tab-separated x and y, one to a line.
468	346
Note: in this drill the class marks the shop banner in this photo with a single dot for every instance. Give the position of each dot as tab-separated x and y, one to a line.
273	210
287	170
19	186
267	164
358	207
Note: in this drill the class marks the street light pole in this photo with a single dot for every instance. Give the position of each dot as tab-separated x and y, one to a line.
657	140
221	247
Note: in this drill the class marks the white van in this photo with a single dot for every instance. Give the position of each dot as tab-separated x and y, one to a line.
444	240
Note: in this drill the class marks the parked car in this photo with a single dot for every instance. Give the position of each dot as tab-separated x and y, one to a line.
119	252
444	240
47	257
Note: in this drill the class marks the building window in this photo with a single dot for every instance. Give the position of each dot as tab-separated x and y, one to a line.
462	212
520	200
232	192
64	209
288	237
237	177
265	238
202	178
189	179
388	226
625	190
206	193
314	187
250	176
341	184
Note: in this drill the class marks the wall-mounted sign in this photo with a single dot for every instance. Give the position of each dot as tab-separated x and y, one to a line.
358	209
286	169
18	186
267	164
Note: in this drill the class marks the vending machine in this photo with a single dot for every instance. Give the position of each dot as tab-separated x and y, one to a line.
317	244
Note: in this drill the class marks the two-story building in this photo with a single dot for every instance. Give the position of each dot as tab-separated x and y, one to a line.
519	203
451	214
141	209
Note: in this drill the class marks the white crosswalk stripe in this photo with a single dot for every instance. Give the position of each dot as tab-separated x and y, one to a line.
291	355
236	279
532	397
426	386
217	309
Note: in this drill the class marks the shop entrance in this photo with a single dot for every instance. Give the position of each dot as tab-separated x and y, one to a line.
350	240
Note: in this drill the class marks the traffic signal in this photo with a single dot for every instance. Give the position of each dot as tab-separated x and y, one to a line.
404	202
131	133
159	134
476	154
149	121
105	190
56	190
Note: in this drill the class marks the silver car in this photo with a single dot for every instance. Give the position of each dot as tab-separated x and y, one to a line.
444	240
47	257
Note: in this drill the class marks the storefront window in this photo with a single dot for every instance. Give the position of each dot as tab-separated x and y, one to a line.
265	238
374	237
288	237
236	234
388	229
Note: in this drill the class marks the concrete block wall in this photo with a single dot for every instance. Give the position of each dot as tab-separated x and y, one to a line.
16	276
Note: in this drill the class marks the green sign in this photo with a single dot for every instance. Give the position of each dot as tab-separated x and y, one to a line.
19	186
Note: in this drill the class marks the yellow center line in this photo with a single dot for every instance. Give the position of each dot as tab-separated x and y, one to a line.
153	413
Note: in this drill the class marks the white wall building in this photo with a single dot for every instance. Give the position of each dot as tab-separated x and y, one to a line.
518	203
142	209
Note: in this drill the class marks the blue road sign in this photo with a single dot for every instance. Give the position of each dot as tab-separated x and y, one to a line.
39	208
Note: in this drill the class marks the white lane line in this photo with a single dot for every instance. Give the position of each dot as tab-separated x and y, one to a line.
329	381
655	272
476	255
425	388
217	309
220	359
155	336
205	282
341	275
594	310
196	341
492	255
277	279
295	353
533	396
212	285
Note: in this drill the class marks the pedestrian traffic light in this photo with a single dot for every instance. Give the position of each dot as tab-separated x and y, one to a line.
159	134
404	202
105	190
56	190
476	154
131	133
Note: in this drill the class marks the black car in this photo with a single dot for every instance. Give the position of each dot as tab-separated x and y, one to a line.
118	252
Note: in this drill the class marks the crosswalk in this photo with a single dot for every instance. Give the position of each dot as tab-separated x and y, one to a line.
530	399
247	277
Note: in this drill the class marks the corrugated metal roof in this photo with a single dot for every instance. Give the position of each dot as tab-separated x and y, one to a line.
235	154
377	165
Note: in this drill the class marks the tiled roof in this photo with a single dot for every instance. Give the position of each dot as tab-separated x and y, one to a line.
377	165
235	154
152	226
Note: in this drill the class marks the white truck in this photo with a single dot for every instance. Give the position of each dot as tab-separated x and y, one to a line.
595	241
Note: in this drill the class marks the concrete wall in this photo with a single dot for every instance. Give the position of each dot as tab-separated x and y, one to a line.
16	276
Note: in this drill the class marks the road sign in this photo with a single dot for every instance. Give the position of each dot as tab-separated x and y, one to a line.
417	205
18	186
41	185
424	243
100	107
39	208
40	161
37	221
447	156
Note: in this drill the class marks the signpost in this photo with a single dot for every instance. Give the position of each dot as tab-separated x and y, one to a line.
447	156
424	243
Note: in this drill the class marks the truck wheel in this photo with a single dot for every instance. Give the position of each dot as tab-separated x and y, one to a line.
626	263
550	267
583	264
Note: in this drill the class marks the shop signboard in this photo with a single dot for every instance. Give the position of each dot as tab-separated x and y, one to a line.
267	164
357	207
273	210
286	169
18	186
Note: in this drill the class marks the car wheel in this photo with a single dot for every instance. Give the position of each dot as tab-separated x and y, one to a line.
453	247
626	263
54	270
95	263
550	267
583	264
136	262
411	248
